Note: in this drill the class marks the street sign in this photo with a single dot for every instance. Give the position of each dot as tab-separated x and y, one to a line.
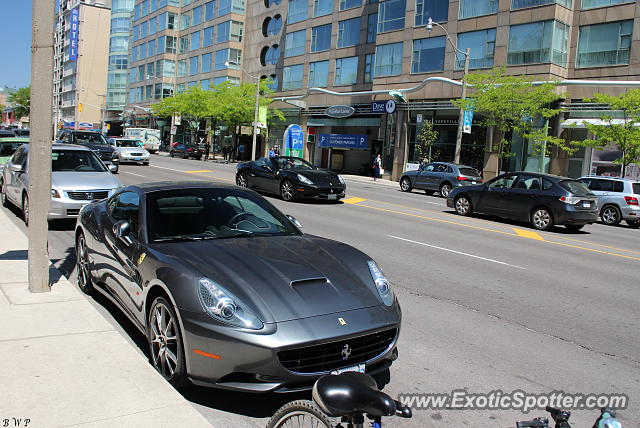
467	122
177	120
293	141
343	141
419	118
259	124
174	130
339	111
262	115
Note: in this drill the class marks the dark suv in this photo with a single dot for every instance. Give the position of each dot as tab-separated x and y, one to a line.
440	177
94	141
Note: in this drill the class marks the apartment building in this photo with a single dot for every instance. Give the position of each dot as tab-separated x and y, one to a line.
81	57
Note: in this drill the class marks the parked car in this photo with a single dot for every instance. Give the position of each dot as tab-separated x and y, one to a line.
8	147
78	177
290	177
173	256
6	133
94	141
540	199
131	150
186	151
439	177
617	199
21	132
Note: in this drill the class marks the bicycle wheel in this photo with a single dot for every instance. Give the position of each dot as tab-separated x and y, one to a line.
300	414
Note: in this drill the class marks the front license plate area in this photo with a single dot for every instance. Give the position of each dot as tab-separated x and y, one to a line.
332	197
137	159
358	368
586	204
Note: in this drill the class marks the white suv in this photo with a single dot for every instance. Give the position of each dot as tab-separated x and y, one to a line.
617	198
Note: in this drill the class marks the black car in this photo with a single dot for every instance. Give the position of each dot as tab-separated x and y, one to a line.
6	133
230	292
186	151
94	141
543	200
290	177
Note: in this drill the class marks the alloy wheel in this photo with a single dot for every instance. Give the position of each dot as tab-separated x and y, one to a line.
445	189
3	194
463	206
610	215
286	190
241	180
25	209
541	219
164	340
82	261
405	185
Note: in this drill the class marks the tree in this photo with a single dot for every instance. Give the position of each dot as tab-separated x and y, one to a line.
20	101
426	138
193	105
622	131
511	105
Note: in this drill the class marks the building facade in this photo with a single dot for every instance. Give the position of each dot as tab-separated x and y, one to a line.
81	59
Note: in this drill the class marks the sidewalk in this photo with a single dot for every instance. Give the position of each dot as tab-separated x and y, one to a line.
64	365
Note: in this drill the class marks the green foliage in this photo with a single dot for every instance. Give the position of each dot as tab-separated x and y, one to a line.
426	137
623	131
21	101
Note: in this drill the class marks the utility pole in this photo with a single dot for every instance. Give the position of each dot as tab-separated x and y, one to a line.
40	146
255	121
456	158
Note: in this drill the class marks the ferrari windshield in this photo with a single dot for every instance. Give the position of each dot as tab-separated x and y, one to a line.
75	160
292	163
209	213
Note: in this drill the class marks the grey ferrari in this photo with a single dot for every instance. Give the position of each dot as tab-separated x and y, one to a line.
230	293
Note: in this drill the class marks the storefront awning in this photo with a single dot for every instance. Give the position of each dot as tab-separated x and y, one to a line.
580	123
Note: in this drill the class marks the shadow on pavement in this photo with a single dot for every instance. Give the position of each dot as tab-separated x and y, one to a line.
15	255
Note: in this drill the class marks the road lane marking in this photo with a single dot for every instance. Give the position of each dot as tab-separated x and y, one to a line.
202	170
528	234
164	167
353	200
193	173
457	252
597	245
133	173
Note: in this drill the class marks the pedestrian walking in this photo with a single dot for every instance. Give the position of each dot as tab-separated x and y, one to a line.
207	149
225	152
241	152
272	152
377	164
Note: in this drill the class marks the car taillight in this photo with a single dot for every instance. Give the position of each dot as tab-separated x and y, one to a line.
189	150
631	200
571	200
461	178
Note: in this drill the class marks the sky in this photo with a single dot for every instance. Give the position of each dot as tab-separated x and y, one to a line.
15	51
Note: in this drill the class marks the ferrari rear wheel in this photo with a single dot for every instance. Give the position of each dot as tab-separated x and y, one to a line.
241	180
25	209
300	414
287	191
3	194
82	262
165	341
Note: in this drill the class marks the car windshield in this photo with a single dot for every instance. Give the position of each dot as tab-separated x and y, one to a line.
75	160
576	187
205	213
292	163
89	138
7	149
129	143
470	172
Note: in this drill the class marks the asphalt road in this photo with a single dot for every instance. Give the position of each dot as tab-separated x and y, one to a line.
487	304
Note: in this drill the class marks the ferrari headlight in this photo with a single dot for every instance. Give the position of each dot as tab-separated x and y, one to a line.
382	284
223	306
340	179
304	179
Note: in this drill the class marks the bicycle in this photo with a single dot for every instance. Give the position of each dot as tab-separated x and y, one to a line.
348	396
607	419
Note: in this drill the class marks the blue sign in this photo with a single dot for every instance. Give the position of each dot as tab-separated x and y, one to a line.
383	106
293	141
73	34
467	122
340	141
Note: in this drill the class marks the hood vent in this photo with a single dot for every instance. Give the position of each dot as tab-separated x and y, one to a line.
309	281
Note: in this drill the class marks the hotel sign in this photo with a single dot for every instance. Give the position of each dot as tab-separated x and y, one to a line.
73	34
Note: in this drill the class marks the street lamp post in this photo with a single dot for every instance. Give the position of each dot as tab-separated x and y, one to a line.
467	55
255	113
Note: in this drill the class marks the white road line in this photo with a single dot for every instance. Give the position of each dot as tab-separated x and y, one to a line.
170	169
457	252
132	173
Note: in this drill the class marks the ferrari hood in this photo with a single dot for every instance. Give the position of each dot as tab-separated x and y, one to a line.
320	177
284	277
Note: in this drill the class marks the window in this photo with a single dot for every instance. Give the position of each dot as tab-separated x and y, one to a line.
125	206
230	30
209	10
322	7
152	26
297	11
207	37
207	60
168	68
118	62
228	6
504	182
274	26
372	24
148	92
141	76
368	68
348	33
119	25
346	71
349	4
186	22
151	48
161	44
230	56
438	10
471	8
292	77
321	38
184	44
521	4
205	84
590	4
118	6
194	65
604	44
295	43
482	44
118	43
222	79
182	68
195	41
388	60
391	15
171	45
318	73
197	15
272	55
428	55
171	21
144	28
544	41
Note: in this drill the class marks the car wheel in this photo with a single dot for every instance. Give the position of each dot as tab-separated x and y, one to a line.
145	163
300	413
405	184
25	209
165	341
611	215
463	205
445	189
3	194
541	219
574	227
82	262
241	180
287	192
635	224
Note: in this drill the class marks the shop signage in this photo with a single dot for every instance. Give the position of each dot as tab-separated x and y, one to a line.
343	141
467	121
339	111
73	34
383	106
293	140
